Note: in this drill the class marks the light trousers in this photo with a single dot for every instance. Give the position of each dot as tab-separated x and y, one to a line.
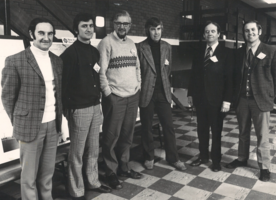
38	163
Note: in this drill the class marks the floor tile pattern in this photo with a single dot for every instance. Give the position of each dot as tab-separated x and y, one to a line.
195	183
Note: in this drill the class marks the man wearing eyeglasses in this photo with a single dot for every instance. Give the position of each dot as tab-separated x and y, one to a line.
120	83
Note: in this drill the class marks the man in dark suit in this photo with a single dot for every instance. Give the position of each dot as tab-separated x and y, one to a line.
31	96
255	93
156	62
210	90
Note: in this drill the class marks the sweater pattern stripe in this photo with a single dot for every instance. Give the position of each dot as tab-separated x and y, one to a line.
122	61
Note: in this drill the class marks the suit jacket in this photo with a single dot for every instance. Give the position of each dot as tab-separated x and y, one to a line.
216	81
148	71
263	76
23	93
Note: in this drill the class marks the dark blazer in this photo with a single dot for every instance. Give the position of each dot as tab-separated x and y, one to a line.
23	94
148	72
217	79
263	76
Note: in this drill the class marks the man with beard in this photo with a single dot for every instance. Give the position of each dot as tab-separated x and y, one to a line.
120	83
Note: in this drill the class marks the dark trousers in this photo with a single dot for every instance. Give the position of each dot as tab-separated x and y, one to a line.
209	116
118	126
160	104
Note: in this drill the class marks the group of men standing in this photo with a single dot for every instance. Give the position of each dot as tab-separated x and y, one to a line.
39	86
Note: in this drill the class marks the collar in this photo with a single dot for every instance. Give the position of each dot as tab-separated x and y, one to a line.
153	43
214	46
115	34
253	48
38	52
81	43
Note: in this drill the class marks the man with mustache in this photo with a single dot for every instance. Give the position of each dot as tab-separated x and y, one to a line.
210	91
81	103
31	96
255	92
120	84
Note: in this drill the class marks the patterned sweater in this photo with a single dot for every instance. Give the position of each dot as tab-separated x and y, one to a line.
120	66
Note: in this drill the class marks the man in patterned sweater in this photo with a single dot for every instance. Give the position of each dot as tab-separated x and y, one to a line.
120	83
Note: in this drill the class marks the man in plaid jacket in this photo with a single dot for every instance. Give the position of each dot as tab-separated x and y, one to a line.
31	96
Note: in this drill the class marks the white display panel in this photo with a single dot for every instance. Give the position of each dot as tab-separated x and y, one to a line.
9	46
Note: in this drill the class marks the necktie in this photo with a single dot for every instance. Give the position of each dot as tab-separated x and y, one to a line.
207	56
249	57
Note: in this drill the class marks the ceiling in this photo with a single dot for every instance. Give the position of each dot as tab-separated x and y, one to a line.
262	6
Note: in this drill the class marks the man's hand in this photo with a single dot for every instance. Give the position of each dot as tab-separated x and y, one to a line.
190	101
225	106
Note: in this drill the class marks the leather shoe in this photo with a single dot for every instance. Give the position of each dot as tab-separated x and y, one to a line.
236	163
264	175
199	161
216	167
114	182
130	174
102	189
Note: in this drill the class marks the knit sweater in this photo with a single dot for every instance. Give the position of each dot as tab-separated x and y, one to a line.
80	81
120	67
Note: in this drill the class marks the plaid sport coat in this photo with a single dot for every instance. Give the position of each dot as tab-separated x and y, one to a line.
148	71
263	76
23	93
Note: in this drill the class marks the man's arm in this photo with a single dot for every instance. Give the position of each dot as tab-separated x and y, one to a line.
104	49
10	87
228	80
138	70
170	60
228	76
69	60
273	72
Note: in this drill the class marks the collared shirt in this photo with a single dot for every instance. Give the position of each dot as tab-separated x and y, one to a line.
214	46
254	48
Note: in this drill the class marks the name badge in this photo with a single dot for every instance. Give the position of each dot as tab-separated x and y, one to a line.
261	56
214	59
97	67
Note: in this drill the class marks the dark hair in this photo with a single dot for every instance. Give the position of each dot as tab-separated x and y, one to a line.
39	20
85	17
211	22
251	21
119	14
153	21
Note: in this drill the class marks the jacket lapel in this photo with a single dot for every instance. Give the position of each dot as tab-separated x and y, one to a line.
256	60
55	68
218	52
31	60
163	53
148	55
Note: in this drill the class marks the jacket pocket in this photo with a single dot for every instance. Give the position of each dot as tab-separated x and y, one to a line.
21	112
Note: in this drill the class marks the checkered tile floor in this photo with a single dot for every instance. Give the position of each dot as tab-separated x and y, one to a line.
196	183
164	182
